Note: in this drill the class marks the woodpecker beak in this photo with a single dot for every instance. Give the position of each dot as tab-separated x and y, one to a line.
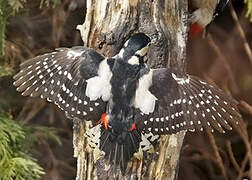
142	52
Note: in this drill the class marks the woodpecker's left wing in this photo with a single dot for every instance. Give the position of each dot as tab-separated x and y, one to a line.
62	76
182	102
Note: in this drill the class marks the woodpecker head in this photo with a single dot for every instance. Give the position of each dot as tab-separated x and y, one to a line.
204	13
135	48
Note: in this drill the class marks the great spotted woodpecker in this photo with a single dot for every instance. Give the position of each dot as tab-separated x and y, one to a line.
130	104
204	13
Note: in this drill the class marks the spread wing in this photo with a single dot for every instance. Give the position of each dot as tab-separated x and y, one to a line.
185	102
61	77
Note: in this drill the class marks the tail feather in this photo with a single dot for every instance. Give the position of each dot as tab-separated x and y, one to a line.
119	148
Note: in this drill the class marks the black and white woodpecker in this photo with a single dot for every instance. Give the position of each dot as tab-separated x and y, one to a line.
204	12
130	104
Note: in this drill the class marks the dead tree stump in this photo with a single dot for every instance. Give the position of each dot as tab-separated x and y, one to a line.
107	25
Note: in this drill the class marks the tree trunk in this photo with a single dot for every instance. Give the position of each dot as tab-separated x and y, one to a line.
107	25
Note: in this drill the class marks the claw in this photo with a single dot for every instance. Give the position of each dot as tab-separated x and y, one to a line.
104	120
133	126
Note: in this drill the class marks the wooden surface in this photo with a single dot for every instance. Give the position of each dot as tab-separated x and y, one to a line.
107	25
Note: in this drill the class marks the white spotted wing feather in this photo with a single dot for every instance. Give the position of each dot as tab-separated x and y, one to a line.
186	103
61	77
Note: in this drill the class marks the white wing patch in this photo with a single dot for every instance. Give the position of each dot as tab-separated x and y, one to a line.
73	54
181	80
144	99
99	86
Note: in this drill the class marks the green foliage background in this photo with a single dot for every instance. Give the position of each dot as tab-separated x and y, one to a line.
16	141
249	12
15	161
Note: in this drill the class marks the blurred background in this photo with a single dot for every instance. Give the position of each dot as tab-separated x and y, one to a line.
35	136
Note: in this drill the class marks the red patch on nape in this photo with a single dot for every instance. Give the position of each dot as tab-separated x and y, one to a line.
104	120
195	30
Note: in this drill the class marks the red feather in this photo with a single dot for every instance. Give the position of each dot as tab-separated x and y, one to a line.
195	30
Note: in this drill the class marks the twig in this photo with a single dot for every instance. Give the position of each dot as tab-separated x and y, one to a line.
217	154
241	32
231	155
30	110
245	107
248	158
222	58
243	165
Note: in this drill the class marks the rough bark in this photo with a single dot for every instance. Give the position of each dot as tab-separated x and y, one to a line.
107	25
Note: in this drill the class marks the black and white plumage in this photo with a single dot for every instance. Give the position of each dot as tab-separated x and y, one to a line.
136	104
204	12
220	7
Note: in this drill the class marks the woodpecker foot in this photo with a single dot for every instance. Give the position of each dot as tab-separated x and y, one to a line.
104	120
133	126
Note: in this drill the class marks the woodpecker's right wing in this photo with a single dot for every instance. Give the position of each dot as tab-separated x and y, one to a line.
61	77
183	102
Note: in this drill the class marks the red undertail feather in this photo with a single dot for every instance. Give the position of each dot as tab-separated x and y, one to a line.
104	120
133	126
195	30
